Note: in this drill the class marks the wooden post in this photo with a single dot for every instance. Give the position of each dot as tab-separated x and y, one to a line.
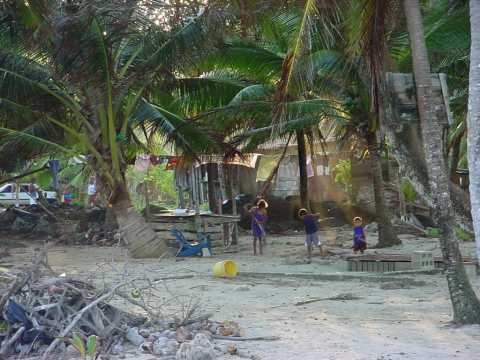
200	181
147	197
211	186
234	175
222	193
193	186
17	195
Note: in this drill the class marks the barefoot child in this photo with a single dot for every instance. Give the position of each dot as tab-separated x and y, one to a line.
359	239
311	229
259	217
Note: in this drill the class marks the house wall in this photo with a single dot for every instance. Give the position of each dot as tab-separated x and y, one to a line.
362	185
322	186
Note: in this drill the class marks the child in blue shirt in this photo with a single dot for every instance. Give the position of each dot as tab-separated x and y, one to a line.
359	238
311	229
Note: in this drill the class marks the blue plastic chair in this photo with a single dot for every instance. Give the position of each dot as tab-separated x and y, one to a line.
187	248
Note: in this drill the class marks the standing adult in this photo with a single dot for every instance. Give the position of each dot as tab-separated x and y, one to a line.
92	191
33	193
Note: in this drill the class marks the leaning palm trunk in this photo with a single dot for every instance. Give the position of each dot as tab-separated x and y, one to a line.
302	165
473	119
141	240
386	234
466	307
268	182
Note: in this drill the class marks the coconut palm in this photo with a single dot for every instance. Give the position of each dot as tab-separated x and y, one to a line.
285	68
447	37
92	78
466	305
474	120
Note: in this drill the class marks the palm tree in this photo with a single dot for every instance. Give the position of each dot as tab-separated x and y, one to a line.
466	306
264	64
284	67
474	120
447	37
97	69
343	77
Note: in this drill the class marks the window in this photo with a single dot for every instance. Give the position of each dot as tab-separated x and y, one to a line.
7	189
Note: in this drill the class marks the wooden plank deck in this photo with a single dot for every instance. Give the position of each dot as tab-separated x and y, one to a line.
211	224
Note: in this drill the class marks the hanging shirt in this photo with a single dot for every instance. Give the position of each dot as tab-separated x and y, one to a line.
55	169
92	189
142	163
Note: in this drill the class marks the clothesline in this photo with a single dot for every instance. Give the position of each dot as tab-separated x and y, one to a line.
144	161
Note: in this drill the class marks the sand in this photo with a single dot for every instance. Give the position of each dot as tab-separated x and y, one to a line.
403	322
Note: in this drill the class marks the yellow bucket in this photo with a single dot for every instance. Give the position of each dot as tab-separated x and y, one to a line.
226	268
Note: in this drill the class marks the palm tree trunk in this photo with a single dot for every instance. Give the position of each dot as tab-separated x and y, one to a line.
473	140
141	240
466	307
386	234
302	166
268	182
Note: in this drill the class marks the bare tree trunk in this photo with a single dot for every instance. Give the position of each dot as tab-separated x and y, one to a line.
473	139
268	182
141	240
211	177
233	176
466	307
386	234
302	165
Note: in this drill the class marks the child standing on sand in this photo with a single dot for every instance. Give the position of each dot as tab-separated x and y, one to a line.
359	238
259	217
311	229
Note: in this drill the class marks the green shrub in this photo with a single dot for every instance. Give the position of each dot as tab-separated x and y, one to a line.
409	192
464	235
342	173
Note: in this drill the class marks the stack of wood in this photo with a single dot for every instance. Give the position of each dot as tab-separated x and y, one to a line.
42	310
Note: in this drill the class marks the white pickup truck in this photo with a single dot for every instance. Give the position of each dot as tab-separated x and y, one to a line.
8	194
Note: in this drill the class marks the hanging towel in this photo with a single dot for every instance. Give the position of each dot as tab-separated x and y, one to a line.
55	169
310	172
142	163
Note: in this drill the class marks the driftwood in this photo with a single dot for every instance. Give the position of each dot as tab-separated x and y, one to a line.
179	277
340	297
23	279
59	305
241	338
77	318
7	343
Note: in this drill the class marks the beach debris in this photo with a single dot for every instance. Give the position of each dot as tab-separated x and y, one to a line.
339	297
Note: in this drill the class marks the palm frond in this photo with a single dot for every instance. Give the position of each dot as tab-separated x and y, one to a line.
256	63
293	79
192	139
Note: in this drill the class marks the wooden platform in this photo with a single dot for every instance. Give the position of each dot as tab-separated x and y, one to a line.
212	224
